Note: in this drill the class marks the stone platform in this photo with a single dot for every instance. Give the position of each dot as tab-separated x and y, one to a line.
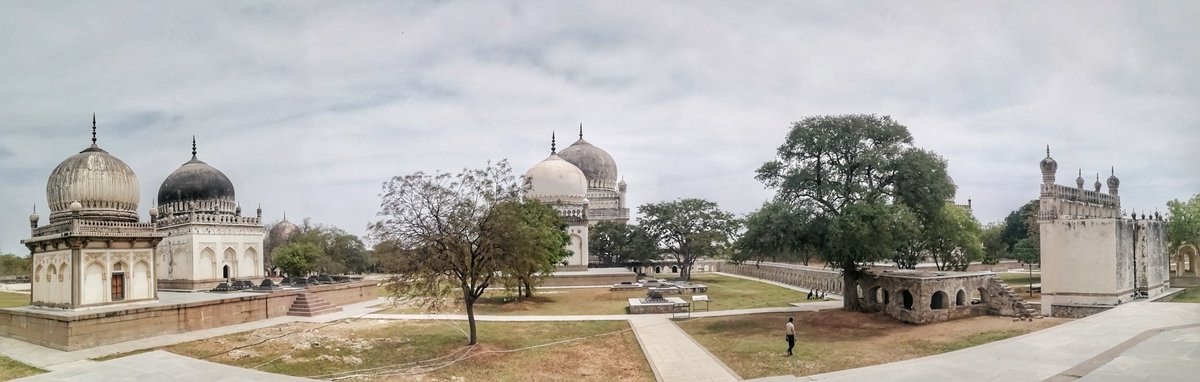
637	306
174	312
590	277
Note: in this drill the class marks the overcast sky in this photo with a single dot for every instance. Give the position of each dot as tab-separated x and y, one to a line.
309	107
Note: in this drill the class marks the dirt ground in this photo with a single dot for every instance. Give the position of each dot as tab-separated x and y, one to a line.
834	340
389	350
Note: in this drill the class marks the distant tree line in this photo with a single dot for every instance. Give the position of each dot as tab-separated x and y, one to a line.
13	265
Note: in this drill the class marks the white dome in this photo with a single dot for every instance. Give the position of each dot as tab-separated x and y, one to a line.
555	179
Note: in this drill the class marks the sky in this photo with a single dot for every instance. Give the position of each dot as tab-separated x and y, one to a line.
308	107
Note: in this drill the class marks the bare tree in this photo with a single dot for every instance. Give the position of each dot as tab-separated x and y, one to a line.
445	234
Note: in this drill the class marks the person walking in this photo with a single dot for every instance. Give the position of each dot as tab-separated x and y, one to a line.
791	336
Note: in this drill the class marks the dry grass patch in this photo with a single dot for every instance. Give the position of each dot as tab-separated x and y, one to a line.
398	350
726	293
832	340
10	369
13	300
1191	295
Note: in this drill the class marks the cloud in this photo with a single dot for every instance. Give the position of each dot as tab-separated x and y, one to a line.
309	106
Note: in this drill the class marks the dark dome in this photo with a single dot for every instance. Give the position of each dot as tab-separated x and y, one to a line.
195	181
596	164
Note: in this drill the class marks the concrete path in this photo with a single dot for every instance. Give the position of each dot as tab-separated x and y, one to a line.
54	359
1102	347
675	356
160	366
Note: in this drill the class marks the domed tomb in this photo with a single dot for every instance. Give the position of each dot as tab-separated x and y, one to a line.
599	167
197	186
283	232
105	187
554	179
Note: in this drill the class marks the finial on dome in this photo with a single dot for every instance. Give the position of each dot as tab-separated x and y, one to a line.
93	129
1047	151
193	147
552	143
581	130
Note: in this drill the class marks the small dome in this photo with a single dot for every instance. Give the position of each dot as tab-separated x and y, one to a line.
1113	182
104	187
596	164
1049	165
196	181
1079	181
283	232
1097	184
556	179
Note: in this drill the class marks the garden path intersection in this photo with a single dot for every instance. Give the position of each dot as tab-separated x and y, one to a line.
1129	342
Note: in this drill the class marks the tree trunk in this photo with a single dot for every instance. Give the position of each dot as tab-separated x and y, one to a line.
850	292
470	303
528	288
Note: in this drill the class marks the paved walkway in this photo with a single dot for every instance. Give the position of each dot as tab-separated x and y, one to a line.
160	366
1103	347
675	356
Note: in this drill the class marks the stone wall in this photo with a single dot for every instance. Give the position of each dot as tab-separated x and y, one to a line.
796	275
85	330
922	297
1078	311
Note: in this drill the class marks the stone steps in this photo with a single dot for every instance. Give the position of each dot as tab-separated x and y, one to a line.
309	305
1026	312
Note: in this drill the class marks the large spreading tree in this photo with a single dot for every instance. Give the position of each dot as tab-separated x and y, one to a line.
779	231
457	234
688	229
857	172
620	244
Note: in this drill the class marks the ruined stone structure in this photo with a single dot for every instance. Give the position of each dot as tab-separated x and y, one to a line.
925	297
1092	257
912	296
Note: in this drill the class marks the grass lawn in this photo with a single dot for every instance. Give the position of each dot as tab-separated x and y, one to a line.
725	293
12	300
1019	279
1188	295
390	348
10	369
754	346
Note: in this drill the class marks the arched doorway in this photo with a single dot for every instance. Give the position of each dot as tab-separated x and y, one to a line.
907	298
657	269
118	282
225	271
961	298
1185	261
674	269
938	300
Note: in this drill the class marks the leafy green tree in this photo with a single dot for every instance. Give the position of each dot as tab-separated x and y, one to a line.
534	237
778	230
298	259
343	252
1021	224
1183	225
446	234
688	229
911	244
994	248
13	265
854	172
619	244
954	239
1027	251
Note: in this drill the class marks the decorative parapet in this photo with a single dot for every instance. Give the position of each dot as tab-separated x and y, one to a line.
177	220
79	227
609	213
202	207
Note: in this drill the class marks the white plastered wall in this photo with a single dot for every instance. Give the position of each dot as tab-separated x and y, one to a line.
204	256
1079	262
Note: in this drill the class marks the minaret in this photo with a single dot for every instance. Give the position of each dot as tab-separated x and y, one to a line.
1113	183
1049	168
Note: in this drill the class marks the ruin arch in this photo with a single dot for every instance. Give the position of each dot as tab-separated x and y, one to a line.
906	298
960	299
874	296
983	295
938	300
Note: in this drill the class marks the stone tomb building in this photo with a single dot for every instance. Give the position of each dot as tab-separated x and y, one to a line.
94	251
581	183
208	240
1093	258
